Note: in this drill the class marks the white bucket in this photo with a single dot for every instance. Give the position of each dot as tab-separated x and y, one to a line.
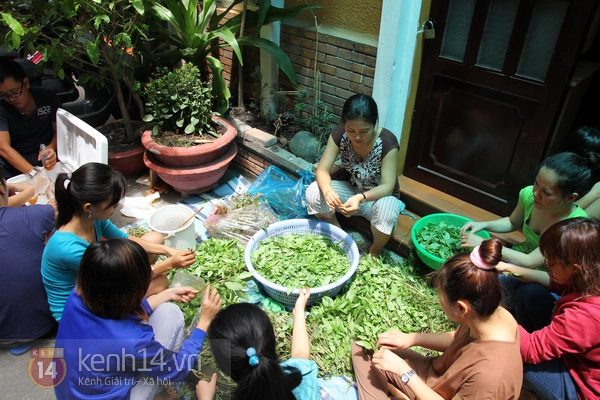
166	221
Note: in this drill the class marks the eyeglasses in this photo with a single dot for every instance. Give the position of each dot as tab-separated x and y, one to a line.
13	94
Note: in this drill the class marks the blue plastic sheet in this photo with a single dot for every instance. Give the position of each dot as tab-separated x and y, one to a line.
285	195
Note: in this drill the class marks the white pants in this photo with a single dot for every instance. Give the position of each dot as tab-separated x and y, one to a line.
167	324
382	213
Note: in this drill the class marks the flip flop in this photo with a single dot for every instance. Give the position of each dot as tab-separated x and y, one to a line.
23	348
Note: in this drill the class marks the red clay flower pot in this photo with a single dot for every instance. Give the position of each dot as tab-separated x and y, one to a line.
129	163
194	179
195	155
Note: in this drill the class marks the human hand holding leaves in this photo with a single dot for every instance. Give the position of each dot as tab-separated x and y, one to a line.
394	339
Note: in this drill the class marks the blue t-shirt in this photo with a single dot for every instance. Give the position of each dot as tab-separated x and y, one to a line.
105	357
308	389
61	259
24	311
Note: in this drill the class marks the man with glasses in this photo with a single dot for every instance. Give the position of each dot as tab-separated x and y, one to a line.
27	120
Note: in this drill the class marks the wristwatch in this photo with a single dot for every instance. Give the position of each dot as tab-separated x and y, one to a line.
405	377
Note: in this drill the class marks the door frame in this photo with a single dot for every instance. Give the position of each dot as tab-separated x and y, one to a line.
398	65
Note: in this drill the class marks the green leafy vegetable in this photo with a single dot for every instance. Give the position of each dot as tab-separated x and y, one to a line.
137	231
440	240
295	260
220	262
381	296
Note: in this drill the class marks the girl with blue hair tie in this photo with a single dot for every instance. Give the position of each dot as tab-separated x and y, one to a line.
242	339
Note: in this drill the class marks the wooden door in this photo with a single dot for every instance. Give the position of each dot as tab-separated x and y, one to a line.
490	90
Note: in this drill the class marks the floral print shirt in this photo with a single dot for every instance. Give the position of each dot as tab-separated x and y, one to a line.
365	174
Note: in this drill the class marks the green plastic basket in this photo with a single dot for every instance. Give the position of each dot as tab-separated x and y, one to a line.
429	259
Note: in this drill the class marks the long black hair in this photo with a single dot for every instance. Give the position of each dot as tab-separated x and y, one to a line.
582	140
237	328
91	183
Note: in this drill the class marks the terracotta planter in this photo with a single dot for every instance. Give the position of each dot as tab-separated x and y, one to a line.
129	163
195	155
194	179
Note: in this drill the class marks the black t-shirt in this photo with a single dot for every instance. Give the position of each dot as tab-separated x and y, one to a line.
28	132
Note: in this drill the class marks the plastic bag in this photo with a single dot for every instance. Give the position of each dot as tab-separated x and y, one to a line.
285	195
182	278
241	223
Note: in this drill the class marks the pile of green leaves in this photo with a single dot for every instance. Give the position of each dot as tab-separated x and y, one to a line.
441	239
381	296
220	262
296	260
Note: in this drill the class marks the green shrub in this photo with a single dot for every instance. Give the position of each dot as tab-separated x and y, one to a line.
178	101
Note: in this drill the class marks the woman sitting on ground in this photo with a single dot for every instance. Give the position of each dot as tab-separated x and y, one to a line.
370	157
562	359
24	311
560	180
480	360
85	201
116	343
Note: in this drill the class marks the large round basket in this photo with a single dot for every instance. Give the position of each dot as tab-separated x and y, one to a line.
303	226
429	259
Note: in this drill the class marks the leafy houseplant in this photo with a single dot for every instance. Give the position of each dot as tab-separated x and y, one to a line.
178	101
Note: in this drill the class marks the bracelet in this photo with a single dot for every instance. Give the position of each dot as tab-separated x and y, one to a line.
364	197
153	274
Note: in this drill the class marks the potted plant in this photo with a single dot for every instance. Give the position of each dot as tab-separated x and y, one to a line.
188	146
196	31
101	41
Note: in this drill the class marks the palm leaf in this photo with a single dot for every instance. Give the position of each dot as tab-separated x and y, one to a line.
274	50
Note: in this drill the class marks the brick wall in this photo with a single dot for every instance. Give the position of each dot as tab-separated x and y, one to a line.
346	67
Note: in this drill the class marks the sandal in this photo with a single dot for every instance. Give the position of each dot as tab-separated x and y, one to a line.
22	348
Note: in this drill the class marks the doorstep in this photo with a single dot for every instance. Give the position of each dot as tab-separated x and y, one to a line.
257	150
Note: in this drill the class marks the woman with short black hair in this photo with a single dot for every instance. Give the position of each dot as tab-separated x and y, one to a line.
118	344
